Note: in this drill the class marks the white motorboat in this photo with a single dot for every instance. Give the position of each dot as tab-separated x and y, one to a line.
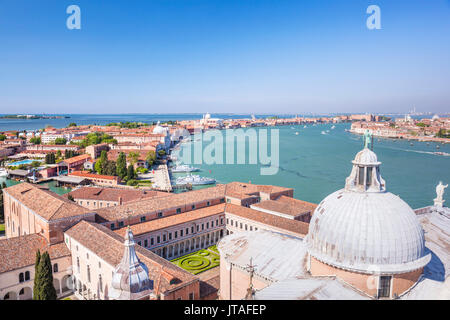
296	133
194	180
184	168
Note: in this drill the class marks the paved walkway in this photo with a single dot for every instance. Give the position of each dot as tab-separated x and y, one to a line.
161	178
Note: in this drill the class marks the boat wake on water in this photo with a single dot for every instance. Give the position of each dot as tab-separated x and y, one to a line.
423	152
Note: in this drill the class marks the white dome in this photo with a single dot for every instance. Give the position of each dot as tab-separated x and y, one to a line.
367	232
365	229
366	157
435	117
159	130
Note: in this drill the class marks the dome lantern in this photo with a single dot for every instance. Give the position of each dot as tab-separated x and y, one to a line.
365	175
130	277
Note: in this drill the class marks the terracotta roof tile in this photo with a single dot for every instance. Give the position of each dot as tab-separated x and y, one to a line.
287	205
113	194
174	220
45	203
268	219
109	246
136	208
20	252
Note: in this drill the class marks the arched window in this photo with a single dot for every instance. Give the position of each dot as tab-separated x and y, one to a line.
22	291
55	268
78	264
21	278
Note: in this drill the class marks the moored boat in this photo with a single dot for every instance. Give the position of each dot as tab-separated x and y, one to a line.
194	180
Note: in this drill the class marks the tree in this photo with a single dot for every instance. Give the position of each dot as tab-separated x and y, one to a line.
101	163
72	124
110	168
36	274
151	157
161	153
58	154
70	197
121	165
60	141
2	137
133	157
50	158
44	289
130	172
35	140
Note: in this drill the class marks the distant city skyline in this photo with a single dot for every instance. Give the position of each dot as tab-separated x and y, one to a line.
252	57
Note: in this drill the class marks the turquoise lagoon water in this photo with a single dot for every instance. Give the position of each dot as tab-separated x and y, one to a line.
316	164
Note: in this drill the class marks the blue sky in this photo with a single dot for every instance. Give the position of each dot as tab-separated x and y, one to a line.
243	56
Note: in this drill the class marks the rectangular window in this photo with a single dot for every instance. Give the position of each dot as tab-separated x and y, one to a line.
145	243
158	239
221	220
181	232
207	225
187	231
222	200
112	226
369	176
164	237
179	210
176	234
120	224
152	241
384	288
193	207
208	203
160	214
361	176
170	236
142	219
191	296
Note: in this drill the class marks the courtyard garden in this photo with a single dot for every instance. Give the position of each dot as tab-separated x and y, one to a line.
198	262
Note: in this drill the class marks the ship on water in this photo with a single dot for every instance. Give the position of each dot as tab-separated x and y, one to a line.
194	180
184	168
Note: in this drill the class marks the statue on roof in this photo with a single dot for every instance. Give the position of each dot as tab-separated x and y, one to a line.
367	138
440	189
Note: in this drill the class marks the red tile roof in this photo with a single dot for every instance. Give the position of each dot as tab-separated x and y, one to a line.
113	194
268	219
86	174
109	246
20	252
45	203
174	220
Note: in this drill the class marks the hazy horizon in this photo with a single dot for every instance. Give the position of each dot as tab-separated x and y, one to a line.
226	57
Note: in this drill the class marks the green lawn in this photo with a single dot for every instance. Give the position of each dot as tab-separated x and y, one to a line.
198	262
